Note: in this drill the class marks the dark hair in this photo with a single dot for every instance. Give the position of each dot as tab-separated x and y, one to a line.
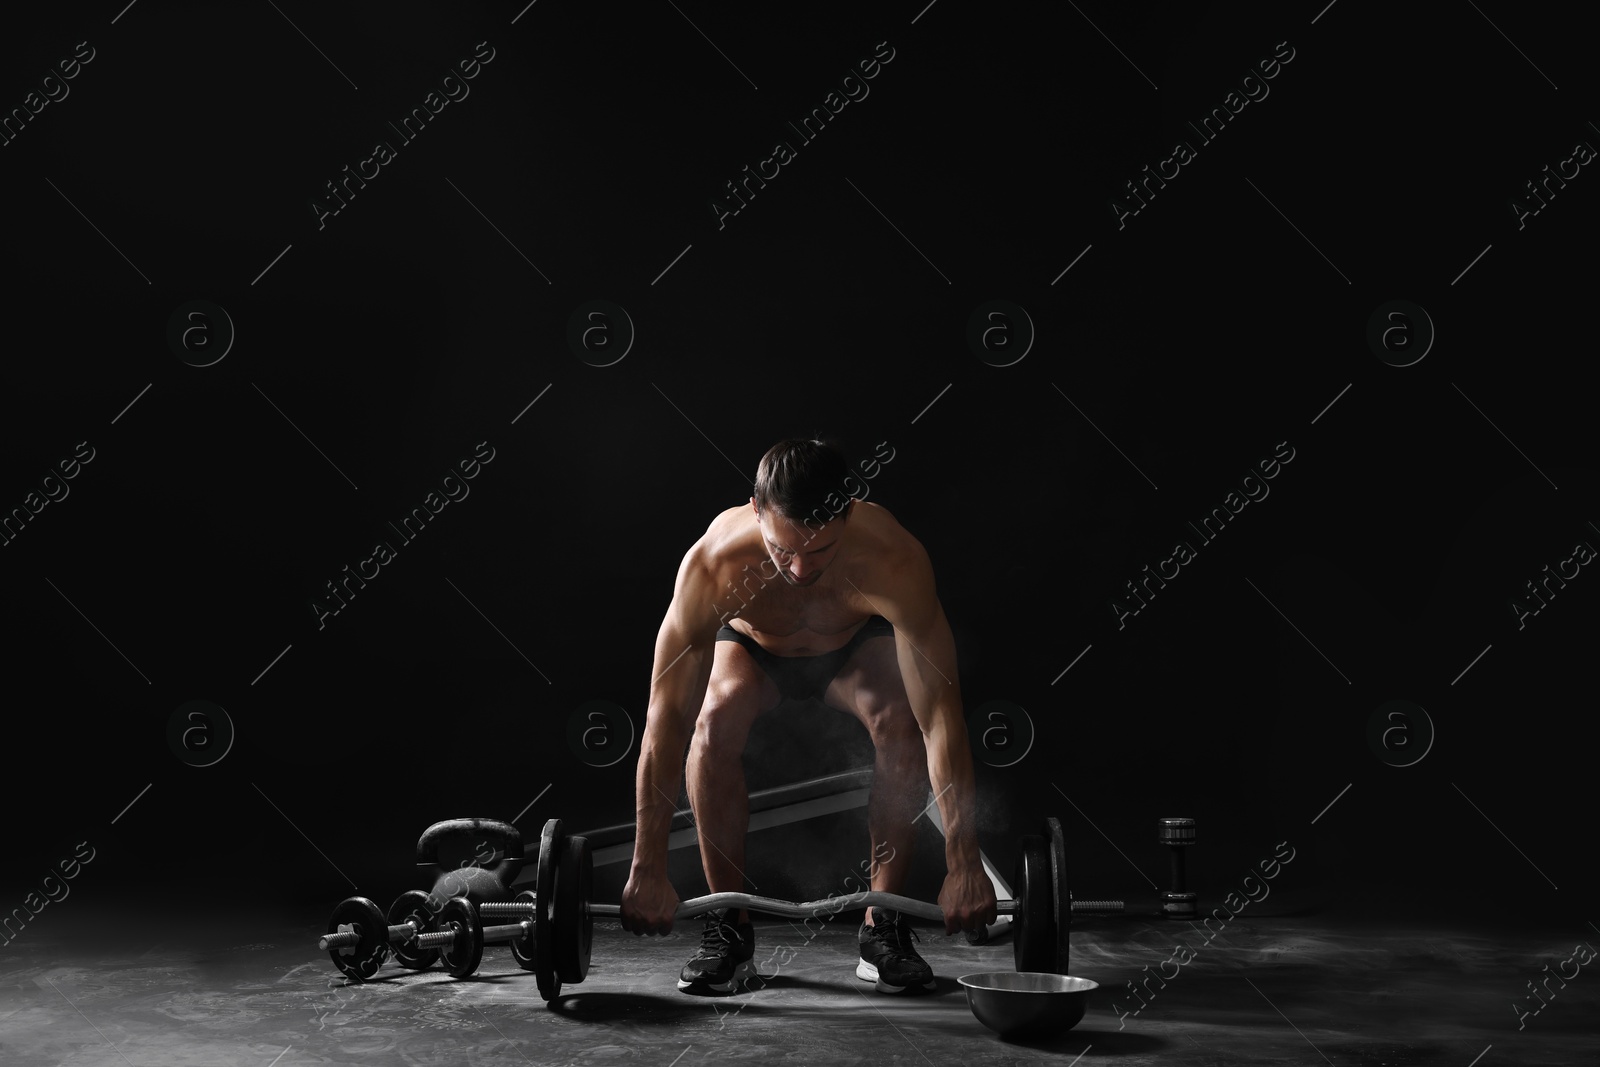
796	477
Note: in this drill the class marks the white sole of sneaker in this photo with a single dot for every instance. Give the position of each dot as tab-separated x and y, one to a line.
741	973
868	972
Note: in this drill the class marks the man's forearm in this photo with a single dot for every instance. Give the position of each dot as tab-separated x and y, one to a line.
656	790
954	787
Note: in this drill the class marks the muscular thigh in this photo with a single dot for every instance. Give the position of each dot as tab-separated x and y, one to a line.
737	692
869	687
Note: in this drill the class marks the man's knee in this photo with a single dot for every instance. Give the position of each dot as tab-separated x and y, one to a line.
721	731
893	726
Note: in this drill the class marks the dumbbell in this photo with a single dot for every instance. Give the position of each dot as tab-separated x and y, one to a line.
461	936
455	934
359	935
1177	902
353	941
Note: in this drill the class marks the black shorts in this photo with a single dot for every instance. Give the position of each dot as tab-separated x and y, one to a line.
806	677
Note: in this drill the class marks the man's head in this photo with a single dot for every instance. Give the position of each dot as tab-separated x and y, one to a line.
801	506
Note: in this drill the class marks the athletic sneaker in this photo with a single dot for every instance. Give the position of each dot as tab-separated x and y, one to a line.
726	956
887	956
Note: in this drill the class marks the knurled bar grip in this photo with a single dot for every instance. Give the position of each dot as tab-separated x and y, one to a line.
350	939
406	931
491	934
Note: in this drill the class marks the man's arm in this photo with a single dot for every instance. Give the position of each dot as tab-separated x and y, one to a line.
684	649
926	651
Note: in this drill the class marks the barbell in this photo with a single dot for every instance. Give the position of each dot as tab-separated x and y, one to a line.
563	914
555	941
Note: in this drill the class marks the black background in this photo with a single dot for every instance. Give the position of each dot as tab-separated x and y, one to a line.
1178	351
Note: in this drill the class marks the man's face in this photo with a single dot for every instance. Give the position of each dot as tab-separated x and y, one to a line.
800	553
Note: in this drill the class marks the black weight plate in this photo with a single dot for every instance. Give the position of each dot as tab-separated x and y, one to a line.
573	924
359	915
550	843
462	955
1033	934
412	906
586	917
525	949
1061	898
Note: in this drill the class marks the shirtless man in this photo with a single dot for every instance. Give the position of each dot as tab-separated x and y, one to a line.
842	610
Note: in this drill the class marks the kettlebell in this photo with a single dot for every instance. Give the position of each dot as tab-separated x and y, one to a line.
474	858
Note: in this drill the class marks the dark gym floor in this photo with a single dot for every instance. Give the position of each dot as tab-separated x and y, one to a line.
1297	989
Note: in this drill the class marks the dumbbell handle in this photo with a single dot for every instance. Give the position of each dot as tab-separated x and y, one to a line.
1097	905
350	939
408	931
491	934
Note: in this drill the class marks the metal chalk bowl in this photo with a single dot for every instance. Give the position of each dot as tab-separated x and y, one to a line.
1027	1003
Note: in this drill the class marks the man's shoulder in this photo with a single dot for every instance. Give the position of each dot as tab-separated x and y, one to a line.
727	529
725	538
892	569
882	537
